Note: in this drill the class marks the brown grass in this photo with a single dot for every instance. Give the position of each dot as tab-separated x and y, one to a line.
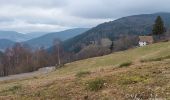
137	81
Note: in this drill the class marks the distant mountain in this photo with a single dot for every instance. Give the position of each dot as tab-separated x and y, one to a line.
20	37
9	38
4	43
137	24
47	40
35	34
13	36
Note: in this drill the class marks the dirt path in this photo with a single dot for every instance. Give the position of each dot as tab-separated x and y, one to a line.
41	71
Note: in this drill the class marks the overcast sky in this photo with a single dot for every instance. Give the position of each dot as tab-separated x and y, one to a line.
56	15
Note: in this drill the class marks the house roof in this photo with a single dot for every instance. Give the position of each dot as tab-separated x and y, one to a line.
148	39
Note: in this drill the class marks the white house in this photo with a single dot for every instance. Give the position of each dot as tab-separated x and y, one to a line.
145	40
142	44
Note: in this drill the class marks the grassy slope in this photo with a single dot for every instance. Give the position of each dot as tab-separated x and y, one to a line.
141	80
117	58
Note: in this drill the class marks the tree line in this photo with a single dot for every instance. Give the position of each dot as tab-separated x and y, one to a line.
21	58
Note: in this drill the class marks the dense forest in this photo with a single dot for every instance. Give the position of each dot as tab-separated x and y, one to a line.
131	25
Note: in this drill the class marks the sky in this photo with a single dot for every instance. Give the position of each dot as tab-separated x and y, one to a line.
55	15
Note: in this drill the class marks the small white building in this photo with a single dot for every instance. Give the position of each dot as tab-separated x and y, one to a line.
142	44
145	40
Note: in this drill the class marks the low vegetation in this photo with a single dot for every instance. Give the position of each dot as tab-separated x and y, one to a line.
126	80
82	73
96	84
155	59
125	64
12	89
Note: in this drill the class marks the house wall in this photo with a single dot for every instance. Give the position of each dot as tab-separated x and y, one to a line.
142	43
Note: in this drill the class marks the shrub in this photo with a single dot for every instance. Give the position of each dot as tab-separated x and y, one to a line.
15	88
95	85
82	73
125	64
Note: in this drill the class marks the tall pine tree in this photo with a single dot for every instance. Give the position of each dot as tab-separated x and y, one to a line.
158	27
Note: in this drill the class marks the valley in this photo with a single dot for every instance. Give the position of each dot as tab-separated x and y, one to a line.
84	50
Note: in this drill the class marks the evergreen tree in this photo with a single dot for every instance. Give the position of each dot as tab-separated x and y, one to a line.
158	27
112	46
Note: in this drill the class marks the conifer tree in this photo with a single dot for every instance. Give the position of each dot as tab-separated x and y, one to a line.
158	27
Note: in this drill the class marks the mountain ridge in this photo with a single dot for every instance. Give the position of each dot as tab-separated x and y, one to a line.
13	36
5	43
132	25
40	40
47	39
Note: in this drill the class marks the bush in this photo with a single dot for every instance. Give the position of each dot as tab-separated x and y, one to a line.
95	85
125	64
82	73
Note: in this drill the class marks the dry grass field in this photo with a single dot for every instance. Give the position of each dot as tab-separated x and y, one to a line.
141	73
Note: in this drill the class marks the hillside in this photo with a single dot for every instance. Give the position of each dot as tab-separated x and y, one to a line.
32	35
4	43
20	37
47	40
133	25
36	39
141	73
13	36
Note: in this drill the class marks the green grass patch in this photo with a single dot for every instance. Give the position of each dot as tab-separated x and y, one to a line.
150	60
125	64
82	73
132	80
107	61
95	85
166	57
155	59
12	89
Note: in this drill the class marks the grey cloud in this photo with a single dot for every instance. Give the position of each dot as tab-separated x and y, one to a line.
116	8
39	3
4	19
35	15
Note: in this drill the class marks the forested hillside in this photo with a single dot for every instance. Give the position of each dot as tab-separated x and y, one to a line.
131	25
47	40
